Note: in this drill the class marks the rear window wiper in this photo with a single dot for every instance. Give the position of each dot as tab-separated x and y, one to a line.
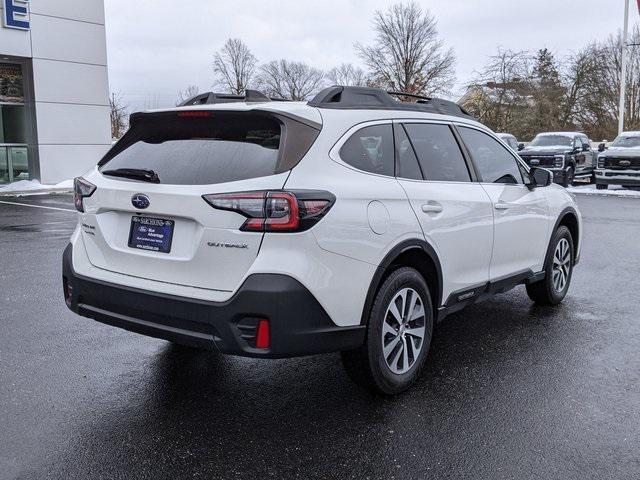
134	173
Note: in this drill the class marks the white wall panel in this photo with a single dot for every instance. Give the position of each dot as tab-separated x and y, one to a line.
58	39
72	124
85	10
65	82
14	42
61	162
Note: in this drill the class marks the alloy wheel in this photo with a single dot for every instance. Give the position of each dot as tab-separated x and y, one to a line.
403	331
561	265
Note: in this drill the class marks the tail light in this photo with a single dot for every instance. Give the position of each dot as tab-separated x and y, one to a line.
81	189
275	211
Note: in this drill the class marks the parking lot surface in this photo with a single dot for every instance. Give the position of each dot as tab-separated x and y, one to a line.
510	390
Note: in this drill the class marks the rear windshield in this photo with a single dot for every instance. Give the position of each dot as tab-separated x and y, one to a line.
200	148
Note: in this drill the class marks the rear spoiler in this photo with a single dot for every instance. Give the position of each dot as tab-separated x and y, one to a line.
210	98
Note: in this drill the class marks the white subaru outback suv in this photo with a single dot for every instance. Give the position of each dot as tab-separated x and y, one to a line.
349	223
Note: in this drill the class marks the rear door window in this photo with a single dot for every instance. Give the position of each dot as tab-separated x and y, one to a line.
204	147
438	152
371	149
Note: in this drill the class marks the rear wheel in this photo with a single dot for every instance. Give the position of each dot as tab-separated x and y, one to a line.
601	186
398	335
559	269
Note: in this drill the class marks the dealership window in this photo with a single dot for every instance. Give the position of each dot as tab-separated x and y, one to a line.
14	159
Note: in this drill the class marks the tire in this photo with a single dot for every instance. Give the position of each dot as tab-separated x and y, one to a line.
601	186
558	267
388	374
567	180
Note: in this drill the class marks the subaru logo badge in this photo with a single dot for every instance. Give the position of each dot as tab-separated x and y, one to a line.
140	201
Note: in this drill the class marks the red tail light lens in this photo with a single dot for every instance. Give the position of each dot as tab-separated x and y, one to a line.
81	189
263	335
275	211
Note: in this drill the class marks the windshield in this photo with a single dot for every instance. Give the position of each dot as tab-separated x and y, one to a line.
626	142
552	141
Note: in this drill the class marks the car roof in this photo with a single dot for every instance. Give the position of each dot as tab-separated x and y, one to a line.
564	134
631	133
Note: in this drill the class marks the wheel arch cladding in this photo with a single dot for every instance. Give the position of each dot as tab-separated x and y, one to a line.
569	219
416	254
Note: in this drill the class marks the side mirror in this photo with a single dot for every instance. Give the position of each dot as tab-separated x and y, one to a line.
586	148
520	146
602	147
541	177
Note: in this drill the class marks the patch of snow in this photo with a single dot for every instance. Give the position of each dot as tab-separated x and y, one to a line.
614	190
34	187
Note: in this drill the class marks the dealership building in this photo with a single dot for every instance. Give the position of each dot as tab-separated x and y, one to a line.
54	89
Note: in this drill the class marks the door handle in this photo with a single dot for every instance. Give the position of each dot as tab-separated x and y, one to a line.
502	206
432	208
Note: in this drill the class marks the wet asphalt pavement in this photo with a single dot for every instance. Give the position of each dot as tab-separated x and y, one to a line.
510	390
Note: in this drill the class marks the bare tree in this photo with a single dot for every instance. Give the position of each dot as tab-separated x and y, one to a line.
347	75
184	95
407	54
234	66
500	93
292	80
118	115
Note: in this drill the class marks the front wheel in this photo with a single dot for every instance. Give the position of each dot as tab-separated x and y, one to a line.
567	180
559	269
398	335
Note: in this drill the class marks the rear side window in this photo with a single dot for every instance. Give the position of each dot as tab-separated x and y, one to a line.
438	152
371	149
494	162
202	148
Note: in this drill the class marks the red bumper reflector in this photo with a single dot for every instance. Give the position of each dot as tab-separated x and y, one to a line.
263	337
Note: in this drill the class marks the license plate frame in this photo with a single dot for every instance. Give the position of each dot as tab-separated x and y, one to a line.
151	234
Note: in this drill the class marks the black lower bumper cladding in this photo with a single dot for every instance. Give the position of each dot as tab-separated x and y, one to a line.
298	324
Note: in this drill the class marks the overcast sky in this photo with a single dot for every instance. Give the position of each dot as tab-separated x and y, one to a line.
157	47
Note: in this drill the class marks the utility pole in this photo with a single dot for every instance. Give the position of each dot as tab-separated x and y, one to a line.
623	74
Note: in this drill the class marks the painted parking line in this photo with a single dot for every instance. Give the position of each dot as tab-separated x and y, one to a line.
39	206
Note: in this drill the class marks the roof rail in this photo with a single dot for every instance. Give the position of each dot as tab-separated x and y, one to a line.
365	98
209	98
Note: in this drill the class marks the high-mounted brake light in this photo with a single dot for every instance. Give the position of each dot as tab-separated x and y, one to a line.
81	189
194	114
275	211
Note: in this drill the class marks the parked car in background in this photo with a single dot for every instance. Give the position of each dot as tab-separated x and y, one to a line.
510	140
567	154
620	164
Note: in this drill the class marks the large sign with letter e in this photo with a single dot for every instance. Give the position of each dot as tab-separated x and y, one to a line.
16	14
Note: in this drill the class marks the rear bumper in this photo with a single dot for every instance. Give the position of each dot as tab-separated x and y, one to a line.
298	324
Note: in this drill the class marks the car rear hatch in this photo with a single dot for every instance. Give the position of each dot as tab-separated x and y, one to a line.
147	217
